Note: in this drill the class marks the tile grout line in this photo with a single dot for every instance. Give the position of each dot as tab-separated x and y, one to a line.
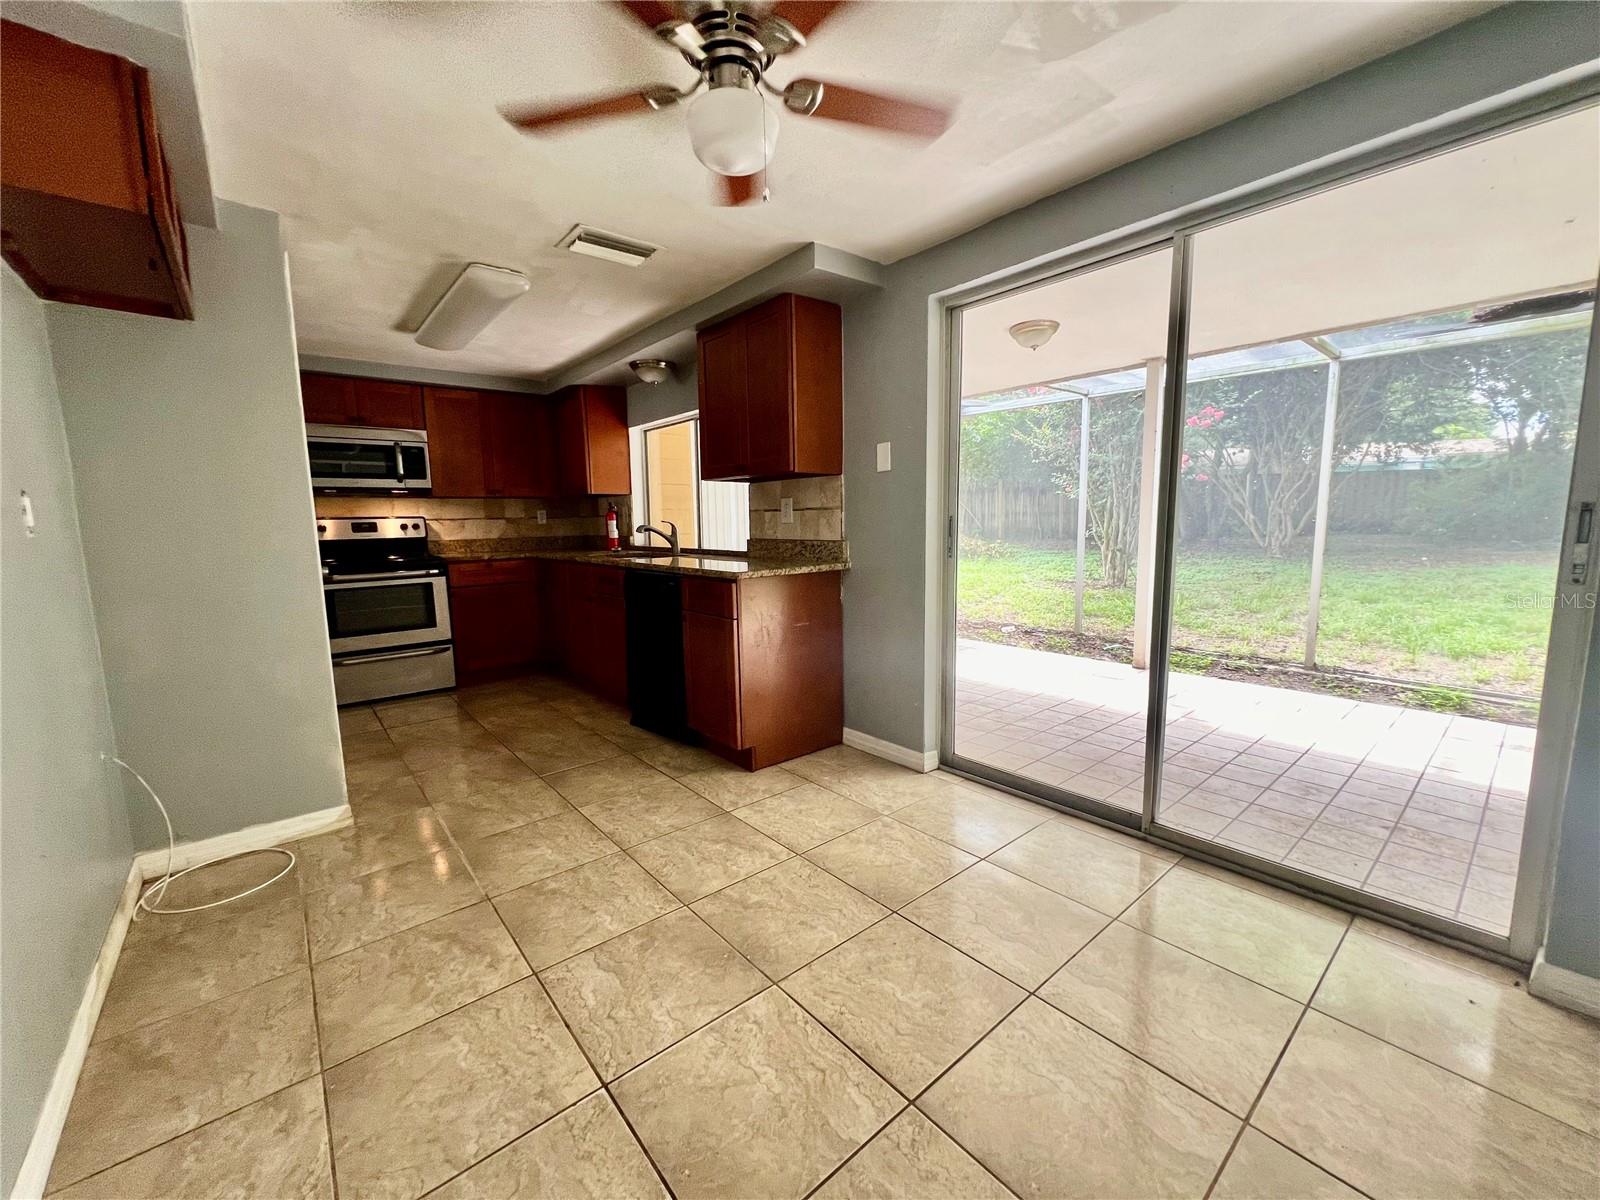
897	911
316	1033
1276	1063
1033	994
605	1086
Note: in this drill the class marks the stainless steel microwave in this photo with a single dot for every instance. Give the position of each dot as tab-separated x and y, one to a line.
355	458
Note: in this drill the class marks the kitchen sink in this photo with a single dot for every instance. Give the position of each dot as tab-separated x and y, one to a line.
685	552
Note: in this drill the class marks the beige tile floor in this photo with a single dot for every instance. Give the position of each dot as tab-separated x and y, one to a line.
1422	808
555	956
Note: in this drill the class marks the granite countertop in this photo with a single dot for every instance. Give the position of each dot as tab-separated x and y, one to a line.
718	566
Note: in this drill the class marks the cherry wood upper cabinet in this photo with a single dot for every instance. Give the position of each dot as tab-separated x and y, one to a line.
328	399
516	448
724	402
488	443
455	421
88	209
591	441
347	400
771	392
390	404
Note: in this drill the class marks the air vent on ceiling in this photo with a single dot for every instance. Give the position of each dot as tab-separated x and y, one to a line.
597	243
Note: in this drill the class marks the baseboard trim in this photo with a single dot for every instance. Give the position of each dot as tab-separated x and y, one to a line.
1569	989
36	1164
152	863
917	760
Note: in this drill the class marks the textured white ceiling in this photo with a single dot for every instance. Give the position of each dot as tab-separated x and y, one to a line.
372	128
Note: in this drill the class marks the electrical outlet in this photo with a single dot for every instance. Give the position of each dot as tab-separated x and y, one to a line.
786	510
883	456
539	516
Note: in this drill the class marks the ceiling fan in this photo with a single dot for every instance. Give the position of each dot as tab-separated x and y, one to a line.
732	128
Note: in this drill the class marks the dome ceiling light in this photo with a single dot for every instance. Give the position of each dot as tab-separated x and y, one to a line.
1030	335
651	370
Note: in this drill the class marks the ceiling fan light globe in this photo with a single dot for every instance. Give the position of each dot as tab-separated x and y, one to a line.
732	130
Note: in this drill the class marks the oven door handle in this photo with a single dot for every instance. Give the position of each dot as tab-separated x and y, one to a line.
385	656
385	576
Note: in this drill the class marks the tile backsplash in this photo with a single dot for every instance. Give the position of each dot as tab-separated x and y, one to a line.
818	509
570	522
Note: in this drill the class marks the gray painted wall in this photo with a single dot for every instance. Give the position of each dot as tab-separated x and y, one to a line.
1573	938
195	496
64	839
891	373
650	402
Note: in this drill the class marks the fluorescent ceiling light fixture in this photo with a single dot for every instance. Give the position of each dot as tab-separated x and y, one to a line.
731	130
651	370
479	295
1030	335
613	247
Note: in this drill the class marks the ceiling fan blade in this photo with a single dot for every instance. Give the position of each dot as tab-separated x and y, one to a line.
837	102
805	15
736	191
532	120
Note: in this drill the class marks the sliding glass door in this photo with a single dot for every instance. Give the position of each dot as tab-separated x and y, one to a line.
1329	586
1382	398
1056	438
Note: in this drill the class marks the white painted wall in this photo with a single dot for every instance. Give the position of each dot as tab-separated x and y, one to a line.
195	498
64	839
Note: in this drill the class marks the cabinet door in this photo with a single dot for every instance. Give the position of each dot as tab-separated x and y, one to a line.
571	444
476	618
517	453
769	372
329	399
711	677
520	617
455	440
571	580
609	651
386	403
724	432
495	626
605	418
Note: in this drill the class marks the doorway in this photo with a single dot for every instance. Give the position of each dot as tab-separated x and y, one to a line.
1324	588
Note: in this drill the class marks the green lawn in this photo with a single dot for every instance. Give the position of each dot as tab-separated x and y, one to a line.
1390	606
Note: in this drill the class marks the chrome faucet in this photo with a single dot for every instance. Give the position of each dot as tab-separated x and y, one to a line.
671	538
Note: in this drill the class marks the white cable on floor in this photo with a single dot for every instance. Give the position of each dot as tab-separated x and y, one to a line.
159	888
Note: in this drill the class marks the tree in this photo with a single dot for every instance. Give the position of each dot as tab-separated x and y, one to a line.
1258	438
1116	427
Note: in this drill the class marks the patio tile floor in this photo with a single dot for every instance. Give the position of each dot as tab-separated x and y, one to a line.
1421	808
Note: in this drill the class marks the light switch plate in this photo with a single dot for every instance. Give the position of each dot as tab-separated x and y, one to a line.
539	516
883	456
786	510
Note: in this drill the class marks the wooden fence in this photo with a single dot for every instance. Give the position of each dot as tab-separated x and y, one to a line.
1000	513
1030	515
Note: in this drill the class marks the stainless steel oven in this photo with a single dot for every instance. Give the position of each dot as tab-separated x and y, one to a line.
350	458
380	612
388	606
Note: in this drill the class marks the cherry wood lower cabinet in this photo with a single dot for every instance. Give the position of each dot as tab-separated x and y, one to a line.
594	625
764	665
499	617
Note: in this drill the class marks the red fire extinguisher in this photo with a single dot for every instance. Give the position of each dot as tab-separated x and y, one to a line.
613	541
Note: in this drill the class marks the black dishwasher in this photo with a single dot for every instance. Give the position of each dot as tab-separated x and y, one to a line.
655	653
